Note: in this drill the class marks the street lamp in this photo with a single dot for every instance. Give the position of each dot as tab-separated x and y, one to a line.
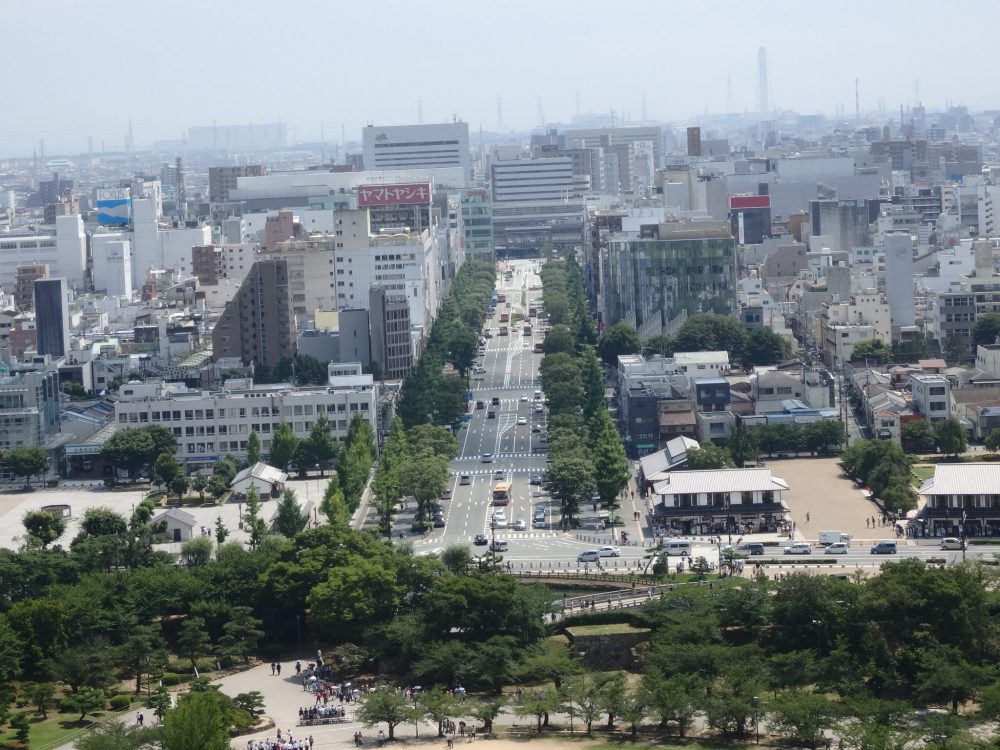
756	717
818	624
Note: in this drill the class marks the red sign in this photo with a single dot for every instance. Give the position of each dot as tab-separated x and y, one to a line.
394	195
737	202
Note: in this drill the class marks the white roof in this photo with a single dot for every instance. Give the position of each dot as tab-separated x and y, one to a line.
963	479
696	358
262	472
178	515
673	454
719	480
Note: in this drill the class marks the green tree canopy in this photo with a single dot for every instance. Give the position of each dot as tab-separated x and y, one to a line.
617	340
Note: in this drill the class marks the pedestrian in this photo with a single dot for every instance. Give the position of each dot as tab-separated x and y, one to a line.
807	516
138	718
311	741
278	665
298	667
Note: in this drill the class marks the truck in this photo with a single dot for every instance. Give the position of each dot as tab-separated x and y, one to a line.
829	537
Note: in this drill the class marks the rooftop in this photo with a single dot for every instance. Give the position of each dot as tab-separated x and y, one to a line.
719	480
963	479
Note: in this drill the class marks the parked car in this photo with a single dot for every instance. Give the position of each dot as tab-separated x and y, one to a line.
799	548
438	522
837	548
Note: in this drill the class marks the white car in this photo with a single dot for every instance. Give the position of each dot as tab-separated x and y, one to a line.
951	542
837	548
500	523
524	398
799	548
609	552
520	525
522	420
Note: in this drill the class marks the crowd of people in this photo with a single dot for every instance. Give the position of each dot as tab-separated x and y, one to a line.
281	743
320	714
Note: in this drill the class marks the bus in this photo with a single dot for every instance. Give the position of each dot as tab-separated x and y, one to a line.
501	493
527	330
504	317
501	297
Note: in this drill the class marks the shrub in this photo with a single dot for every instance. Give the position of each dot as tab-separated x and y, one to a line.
170	679
206	665
120	702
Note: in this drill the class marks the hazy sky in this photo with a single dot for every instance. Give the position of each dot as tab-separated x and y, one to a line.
77	69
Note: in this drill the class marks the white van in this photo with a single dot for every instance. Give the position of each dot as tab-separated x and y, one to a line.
680	547
499	545
588	556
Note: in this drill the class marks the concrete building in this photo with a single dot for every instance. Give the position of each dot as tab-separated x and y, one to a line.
207	264
390	333
408	146
311	278
634	135
961	500
256	325
931	396
65	252
52	316
652	282
29	408
112	267
212	424
24	285
223	179
476	223
899	278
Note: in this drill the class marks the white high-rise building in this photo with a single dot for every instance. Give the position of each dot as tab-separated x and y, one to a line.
407	146
899	278
65	252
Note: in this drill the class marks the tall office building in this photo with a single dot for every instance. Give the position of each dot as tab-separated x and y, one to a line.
256	325
655	278
408	146
389	316
223	179
52	316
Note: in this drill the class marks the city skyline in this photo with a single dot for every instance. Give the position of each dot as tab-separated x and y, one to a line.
332	68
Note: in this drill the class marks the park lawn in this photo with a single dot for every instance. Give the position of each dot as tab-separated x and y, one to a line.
56	730
923	472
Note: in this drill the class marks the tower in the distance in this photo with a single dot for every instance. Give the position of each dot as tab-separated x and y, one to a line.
762	80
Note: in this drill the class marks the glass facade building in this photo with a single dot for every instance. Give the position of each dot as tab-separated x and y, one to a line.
656	278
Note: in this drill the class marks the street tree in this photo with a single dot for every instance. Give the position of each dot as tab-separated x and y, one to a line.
992	442
917	436
253	522
253	448
196	552
179	486
539	704
486	711
765	347
802	716
199	483
592	380
321	444
41	694
388	707
559	339
26	462
872	351
283	445
951	438
986	329
289	518
437	706
611	470
457	558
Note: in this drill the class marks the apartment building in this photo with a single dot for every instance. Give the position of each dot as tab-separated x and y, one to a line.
223	179
257	325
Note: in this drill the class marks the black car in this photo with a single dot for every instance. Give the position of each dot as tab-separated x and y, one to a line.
536	479
479	539
438	522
